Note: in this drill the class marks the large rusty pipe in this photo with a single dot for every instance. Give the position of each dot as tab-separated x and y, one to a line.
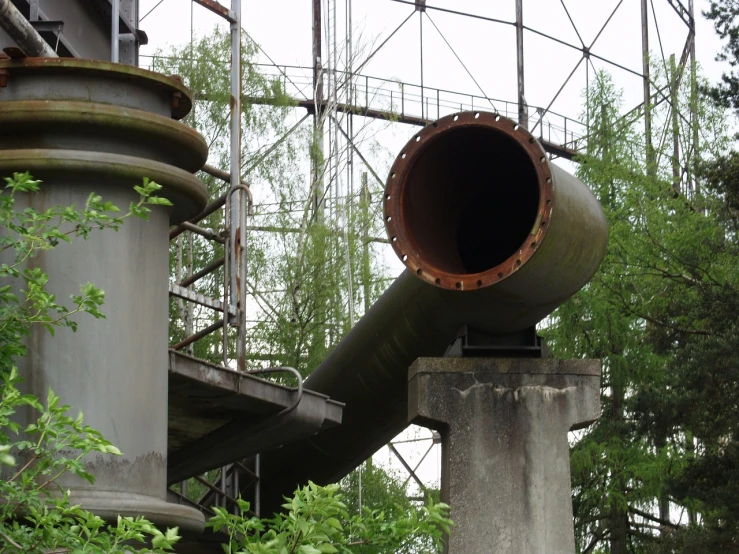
493	236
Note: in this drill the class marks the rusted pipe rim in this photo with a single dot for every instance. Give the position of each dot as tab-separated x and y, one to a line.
397	224
106	70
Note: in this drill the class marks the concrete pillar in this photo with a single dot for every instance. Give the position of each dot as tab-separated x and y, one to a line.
82	126
505	455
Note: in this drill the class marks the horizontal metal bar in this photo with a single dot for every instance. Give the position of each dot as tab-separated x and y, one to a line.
199	335
55	27
193	296
225	176
455	12
207	233
210	268
209	209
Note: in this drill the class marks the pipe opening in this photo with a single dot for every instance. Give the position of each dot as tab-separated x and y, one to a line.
470	200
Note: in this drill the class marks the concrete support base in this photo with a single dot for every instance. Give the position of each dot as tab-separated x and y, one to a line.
505	455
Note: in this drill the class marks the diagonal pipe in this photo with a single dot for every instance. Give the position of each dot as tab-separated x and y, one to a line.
21	31
493	236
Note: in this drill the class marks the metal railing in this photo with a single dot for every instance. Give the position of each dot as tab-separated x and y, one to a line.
407	102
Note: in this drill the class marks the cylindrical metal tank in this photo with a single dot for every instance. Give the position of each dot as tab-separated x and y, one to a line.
82	126
493	235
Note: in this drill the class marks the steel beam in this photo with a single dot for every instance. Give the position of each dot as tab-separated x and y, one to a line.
22	32
646	86
523	117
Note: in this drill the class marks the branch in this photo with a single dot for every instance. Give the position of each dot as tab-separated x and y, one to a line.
653	518
11	541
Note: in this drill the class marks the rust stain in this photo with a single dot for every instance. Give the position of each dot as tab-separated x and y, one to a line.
215	7
396	217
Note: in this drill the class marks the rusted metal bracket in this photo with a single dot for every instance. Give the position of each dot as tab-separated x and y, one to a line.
217	9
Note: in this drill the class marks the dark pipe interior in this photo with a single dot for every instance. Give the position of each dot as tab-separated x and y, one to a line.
470	200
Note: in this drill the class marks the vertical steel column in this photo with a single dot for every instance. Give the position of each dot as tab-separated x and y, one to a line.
114	39
334	186
317	183
237	210
364	202
420	20
421	8
676	176
523	116
647	92
349	135
258	484
694	101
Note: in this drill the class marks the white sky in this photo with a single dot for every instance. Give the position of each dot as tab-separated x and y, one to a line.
283	29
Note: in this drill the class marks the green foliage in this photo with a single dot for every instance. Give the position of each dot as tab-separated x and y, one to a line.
317	521
35	513
723	13
380	490
384	491
28	232
660	315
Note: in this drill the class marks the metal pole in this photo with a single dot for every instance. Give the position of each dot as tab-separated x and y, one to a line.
420	19
224	492
258	485
318	113
694	100
237	212
523	116
647	93
114	40
676	177
236	487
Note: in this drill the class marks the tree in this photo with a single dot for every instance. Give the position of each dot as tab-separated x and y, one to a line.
646	316
723	13
372	489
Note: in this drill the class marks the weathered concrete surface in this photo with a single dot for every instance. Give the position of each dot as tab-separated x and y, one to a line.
505	456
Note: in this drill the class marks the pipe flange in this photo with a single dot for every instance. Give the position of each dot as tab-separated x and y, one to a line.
419	258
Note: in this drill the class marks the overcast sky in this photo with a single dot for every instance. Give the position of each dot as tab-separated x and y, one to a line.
283	29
